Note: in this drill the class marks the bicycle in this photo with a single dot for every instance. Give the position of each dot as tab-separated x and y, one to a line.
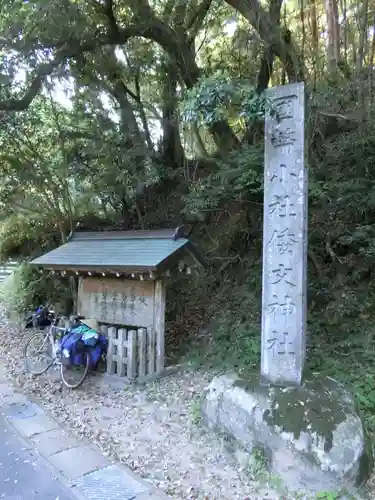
55	356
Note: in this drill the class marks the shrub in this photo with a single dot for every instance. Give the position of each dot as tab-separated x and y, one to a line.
27	288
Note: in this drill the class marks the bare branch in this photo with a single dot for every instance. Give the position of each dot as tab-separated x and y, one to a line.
195	23
168	9
131	94
23	103
108	11
177	45
153	29
273	36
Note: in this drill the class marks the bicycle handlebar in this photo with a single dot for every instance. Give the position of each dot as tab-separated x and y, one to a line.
59	328
57	319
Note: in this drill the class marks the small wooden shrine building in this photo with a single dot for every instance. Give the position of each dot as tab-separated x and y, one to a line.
122	279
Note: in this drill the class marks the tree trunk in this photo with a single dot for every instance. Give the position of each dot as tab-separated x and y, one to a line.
146	129
265	70
273	35
333	35
363	23
302	18
130	130
223	135
172	151
181	50
337	30
371	64
315	39
266	64
372	53
134	139
344	29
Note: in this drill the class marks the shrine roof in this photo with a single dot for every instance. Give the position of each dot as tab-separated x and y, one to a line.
129	251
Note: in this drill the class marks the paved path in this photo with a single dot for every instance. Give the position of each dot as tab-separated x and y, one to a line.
23	474
40	460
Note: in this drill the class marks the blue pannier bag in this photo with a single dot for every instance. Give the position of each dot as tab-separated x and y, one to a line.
89	335
97	351
73	348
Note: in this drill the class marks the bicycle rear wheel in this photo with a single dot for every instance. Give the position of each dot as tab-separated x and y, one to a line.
73	376
38	349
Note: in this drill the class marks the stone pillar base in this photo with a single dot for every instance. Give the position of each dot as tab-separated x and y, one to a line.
312	436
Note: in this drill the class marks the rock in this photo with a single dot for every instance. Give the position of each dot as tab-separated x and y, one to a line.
312	436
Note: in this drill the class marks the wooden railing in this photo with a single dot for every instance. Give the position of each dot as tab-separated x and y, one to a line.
131	351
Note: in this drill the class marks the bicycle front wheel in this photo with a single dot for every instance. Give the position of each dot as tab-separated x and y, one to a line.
73	376
38	353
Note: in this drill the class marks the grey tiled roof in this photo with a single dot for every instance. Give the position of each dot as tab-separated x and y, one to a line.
114	250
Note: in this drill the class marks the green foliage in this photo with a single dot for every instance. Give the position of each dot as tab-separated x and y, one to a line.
231	345
258	468
59	166
195	411
23	237
344	349
343	494
38	179
236	345
96	152
232	339
327	495
238	178
26	288
350	189
219	97
259	463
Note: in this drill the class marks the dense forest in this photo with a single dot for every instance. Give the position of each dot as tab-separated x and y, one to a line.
148	114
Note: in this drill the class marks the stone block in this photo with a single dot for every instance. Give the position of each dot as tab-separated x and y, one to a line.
18	409
28	427
3	373
151	495
51	442
11	398
77	462
312	436
5	389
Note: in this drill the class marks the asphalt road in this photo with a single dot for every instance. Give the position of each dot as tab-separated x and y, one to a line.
24	475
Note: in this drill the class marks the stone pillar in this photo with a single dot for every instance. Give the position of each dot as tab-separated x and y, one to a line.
284	239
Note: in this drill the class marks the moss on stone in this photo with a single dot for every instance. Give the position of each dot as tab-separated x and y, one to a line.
321	414
249	382
315	407
367	461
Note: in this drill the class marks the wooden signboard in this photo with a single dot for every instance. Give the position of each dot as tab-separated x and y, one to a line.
117	302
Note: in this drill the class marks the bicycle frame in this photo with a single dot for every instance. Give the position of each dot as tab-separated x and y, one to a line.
51	336
57	354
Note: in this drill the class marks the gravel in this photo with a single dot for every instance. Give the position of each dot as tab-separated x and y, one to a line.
152	428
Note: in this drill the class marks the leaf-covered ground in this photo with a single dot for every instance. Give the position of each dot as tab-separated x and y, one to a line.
155	428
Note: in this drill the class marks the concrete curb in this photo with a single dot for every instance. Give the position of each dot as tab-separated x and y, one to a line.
81	466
